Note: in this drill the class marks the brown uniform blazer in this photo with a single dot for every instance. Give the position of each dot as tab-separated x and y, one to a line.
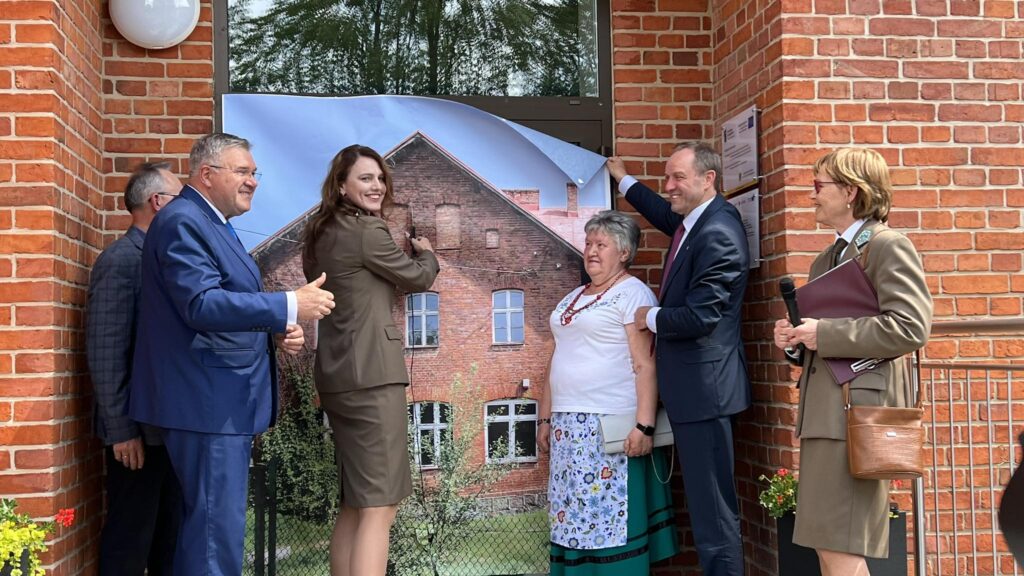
895	270
359	345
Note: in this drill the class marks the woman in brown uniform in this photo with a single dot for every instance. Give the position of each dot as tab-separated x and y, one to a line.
360	366
843	518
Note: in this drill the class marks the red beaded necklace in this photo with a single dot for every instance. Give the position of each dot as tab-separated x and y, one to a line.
571	312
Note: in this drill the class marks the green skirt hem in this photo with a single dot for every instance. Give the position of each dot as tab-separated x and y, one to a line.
650	532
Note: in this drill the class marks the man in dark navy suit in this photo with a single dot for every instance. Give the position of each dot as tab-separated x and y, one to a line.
701	366
204	368
143	498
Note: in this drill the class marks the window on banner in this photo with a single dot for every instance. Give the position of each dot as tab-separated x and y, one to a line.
429	421
508	316
422	322
511	430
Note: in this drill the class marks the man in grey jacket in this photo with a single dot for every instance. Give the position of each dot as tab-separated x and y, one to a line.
143	497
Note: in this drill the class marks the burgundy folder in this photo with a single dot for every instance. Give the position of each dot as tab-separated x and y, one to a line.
842	292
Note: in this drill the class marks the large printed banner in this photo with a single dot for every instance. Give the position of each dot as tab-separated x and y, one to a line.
504	208
295	137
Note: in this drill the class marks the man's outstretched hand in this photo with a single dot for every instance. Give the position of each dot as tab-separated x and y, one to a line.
616	167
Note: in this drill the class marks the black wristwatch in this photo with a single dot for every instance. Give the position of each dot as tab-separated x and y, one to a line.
647	430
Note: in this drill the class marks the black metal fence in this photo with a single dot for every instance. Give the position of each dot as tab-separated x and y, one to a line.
506	535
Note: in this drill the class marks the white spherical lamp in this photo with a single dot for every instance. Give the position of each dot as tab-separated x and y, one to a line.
154	24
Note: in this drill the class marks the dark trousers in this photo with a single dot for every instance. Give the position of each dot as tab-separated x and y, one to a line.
706	456
213	470
143	513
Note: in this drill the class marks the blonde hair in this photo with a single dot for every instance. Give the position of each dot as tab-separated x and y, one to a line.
865	170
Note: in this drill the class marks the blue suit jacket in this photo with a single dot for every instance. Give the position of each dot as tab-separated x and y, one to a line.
204	355
702	369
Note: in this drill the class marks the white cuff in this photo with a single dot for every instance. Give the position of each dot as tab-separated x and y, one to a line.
652	317
626	183
293	307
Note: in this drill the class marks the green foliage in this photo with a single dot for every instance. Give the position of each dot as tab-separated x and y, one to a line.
302	547
307	479
24	539
481	47
780	496
438	518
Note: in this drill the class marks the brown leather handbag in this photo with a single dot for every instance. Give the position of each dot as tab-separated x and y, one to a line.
885	443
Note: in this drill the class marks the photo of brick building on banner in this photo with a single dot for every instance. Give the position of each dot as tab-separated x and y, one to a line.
503	270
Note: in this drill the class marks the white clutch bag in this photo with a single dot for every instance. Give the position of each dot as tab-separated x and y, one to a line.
615	428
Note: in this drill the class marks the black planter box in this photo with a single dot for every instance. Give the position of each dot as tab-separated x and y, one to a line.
6	568
795	560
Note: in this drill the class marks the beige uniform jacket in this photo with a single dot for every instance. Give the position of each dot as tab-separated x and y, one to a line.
359	346
895	270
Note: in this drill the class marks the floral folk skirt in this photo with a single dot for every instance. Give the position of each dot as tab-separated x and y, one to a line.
609	514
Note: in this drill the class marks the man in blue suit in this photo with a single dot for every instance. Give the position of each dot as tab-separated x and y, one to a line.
143	498
701	366
204	368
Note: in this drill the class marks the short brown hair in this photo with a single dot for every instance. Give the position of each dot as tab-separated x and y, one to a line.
866	170
705	160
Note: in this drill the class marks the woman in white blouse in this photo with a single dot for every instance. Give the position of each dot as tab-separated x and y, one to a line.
609	513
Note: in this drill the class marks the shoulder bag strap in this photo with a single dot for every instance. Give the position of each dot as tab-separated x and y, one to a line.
912	363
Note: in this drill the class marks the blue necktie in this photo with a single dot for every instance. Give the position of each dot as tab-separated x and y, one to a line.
232	230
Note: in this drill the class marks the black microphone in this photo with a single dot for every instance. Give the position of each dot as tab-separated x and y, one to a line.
788	291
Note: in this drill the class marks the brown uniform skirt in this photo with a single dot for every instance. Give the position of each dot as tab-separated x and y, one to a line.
371	444
835	511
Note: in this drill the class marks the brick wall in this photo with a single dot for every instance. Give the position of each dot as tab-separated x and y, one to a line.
50	170
156	103
680	67
662	52
78	107
935	88
749	70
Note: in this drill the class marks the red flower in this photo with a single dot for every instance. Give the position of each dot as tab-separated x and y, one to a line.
782	472
65	517
779	498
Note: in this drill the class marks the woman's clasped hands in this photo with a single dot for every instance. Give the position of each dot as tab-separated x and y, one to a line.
789	336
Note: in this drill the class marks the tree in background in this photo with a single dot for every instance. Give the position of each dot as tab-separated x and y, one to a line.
427	47
438	518
307	479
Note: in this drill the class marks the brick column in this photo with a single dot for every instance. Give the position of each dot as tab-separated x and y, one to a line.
50	171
